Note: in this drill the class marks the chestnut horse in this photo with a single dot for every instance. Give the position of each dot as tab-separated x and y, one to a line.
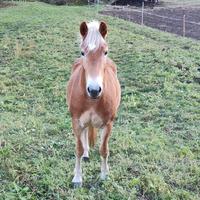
93	96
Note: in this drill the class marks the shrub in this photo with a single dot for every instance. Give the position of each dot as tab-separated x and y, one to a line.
63	2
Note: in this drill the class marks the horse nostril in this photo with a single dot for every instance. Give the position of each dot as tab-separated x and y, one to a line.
88	89
94	93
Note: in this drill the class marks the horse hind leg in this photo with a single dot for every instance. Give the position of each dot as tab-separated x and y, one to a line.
104	151
84	140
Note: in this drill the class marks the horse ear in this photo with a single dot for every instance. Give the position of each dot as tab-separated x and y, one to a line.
83	29
103	29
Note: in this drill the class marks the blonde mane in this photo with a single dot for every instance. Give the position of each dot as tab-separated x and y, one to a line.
93	39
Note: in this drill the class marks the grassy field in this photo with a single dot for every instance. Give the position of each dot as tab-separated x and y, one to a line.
155	145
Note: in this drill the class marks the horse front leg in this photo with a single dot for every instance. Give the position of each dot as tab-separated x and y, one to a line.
104	150
84	140
77	180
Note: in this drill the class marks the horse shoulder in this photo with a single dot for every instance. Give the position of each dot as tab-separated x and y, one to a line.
111	65
72	79
76	64
112	76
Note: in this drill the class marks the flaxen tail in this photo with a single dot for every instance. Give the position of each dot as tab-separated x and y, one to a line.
92	135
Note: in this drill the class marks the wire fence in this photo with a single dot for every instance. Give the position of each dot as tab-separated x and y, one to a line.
143	14
142	11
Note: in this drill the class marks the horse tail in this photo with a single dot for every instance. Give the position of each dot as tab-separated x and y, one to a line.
92	135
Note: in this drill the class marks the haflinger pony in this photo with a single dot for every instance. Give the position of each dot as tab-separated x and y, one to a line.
93	96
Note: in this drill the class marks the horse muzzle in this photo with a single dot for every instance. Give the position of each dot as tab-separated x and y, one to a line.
94	91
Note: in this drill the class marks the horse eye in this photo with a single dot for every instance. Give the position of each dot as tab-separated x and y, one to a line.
106	53
82	53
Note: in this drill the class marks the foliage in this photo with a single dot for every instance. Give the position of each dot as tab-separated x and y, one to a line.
154	148
63	2
56	2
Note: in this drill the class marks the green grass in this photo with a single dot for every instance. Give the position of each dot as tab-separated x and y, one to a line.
155	145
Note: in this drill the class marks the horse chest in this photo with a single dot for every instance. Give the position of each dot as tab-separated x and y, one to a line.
90	117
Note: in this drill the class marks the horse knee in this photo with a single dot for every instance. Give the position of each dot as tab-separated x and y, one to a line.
79	148
104	151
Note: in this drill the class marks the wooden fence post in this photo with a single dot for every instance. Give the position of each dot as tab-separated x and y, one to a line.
142	21
183	25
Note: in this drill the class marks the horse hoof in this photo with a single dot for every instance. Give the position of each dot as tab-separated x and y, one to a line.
86	159
77	185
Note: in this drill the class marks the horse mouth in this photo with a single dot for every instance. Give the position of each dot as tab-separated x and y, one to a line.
94	98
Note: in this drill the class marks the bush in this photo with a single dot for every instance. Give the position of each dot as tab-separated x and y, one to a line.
56	2
63	2
78	2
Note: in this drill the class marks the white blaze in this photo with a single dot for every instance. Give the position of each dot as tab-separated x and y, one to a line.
94	83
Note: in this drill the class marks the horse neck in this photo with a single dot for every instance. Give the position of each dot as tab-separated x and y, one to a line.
81	78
